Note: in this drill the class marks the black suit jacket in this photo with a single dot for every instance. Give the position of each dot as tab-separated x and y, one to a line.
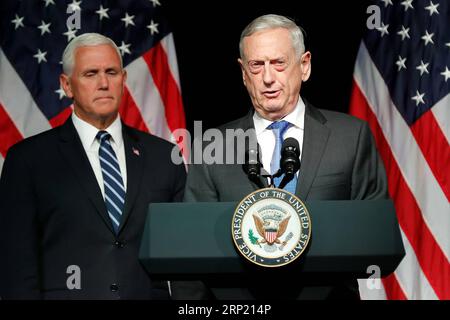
52	216
339	161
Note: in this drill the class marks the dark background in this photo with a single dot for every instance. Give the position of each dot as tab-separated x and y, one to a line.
207	34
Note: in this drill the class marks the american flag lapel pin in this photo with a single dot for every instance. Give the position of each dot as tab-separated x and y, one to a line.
136	151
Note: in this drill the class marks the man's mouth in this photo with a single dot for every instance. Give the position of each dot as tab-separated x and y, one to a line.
104	98
271	94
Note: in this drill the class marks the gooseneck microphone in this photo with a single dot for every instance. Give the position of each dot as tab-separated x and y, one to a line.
252	166
290	160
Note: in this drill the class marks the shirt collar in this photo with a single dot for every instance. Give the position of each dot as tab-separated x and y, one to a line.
88	132
296	118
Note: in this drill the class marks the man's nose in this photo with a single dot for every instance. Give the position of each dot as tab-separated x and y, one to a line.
268	76
103	81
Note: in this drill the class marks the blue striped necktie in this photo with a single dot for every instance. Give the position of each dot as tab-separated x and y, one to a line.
279	128
112	180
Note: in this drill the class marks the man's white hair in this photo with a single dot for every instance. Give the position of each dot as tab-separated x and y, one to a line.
273	21
85	40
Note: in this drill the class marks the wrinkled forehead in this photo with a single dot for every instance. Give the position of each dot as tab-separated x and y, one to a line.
97	55
268	44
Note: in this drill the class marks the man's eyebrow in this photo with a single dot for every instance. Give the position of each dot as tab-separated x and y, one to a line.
273	59
90	70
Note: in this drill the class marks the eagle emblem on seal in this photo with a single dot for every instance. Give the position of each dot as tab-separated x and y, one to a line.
271	223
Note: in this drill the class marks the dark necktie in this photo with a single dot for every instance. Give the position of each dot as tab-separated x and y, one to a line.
112	180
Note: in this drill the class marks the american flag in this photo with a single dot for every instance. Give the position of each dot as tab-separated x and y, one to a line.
33	36
401	88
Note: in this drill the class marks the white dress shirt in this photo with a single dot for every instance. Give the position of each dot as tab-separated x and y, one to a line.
266	137
87	133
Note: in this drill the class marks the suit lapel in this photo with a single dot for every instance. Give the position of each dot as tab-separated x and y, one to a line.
314	142
75	155
134	155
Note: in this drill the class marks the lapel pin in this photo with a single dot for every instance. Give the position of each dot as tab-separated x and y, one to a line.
136	151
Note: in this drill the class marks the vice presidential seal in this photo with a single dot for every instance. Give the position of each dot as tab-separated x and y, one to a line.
271	227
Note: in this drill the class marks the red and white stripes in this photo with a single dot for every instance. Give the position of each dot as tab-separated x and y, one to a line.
153	100
416	161
19	115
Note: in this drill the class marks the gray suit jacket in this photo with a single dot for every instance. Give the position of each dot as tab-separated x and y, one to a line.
339	161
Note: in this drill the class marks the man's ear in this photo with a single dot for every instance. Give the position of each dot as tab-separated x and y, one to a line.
241	64
64	82
305	62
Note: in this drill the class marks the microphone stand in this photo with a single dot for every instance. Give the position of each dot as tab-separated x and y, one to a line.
288	176
272	178
285	181
256	179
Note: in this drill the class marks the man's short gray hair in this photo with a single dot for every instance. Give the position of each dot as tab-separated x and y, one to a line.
85	40
273	21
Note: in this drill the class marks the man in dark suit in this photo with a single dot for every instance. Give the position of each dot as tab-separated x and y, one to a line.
338	157
74	199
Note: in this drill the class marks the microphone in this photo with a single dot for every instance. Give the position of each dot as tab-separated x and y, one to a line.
290	160
252	166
